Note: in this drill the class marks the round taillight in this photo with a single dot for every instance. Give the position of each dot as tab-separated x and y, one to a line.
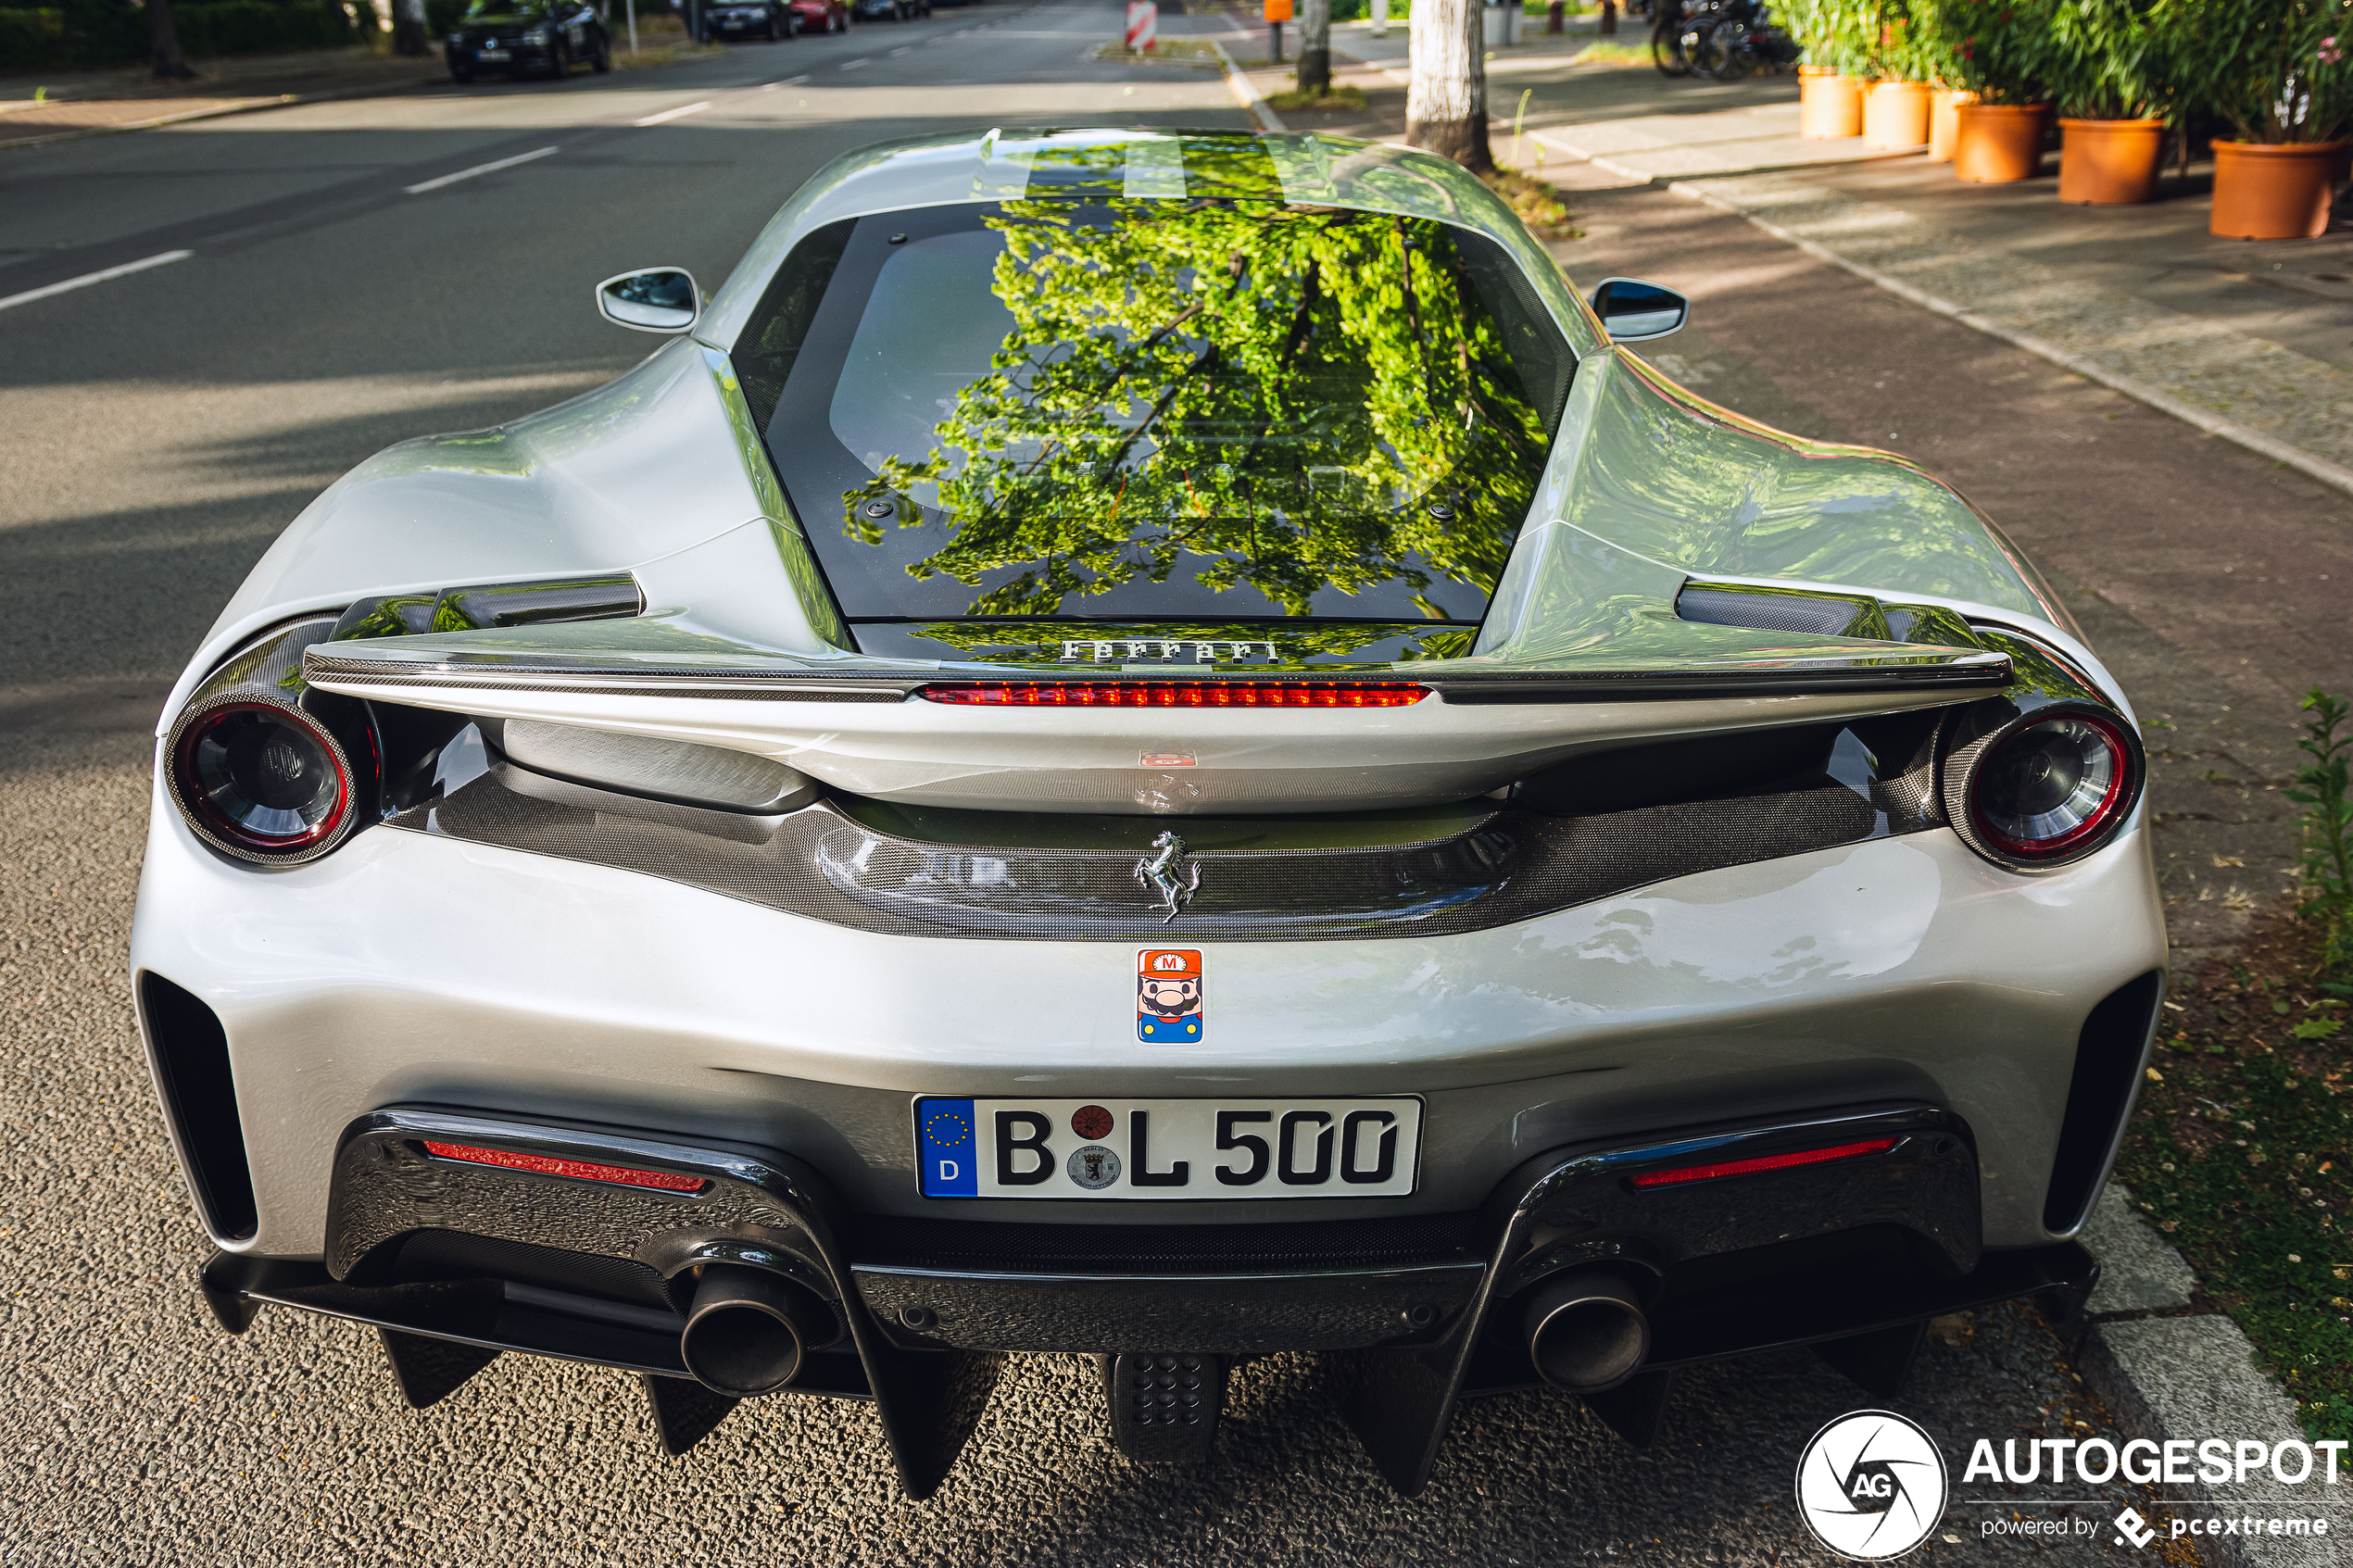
262	781
2045	789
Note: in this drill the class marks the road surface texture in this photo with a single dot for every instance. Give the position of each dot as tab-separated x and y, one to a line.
163	424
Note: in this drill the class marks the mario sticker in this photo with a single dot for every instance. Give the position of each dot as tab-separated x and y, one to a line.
1168	996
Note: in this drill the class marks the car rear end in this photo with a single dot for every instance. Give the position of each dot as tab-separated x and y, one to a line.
1353	907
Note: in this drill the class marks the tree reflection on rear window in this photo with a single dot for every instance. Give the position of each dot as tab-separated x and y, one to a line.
1058	407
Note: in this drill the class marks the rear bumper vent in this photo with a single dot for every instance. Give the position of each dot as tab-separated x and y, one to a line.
190	1051
2107	1073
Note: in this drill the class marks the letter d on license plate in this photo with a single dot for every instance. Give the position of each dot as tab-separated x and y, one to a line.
1168	1148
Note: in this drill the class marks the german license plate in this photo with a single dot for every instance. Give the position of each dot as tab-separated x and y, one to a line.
1168	1148
491	55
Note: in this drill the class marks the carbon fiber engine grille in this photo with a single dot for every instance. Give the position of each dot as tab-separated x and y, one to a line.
1512	866
1287	1246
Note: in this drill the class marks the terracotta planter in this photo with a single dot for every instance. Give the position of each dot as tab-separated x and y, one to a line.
2000	144
1944	121
1829	106
2110	162
1895	115
2273	191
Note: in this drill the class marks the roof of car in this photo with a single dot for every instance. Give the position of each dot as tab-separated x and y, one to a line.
1109	164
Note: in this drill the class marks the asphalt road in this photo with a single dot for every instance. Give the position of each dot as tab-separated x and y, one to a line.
158	428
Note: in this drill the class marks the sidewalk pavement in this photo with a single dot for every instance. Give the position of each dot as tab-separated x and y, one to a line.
2251	343
2211	365
92	103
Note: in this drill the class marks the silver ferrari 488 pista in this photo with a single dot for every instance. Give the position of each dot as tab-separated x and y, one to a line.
1152	744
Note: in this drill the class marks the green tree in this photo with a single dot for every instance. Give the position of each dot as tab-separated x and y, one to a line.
1293	394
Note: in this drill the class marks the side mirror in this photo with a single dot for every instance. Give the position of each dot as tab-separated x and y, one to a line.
653	299
1631	309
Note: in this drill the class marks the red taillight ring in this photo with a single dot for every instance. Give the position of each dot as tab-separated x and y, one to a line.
1175	694
2122	788
2119	776
225	833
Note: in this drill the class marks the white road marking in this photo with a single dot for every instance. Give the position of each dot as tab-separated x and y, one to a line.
853	65
423	185
673	114
1246	90
902	49
99	277
791	81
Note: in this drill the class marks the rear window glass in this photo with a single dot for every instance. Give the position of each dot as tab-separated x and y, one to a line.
1155	409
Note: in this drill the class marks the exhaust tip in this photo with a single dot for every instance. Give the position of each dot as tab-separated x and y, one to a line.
1586	1330
748	1331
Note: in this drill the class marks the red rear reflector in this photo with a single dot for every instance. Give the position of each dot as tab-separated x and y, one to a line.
1763	1163
619	1175
1178	693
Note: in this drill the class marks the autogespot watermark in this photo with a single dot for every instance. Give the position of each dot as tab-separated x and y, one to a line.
1872	1485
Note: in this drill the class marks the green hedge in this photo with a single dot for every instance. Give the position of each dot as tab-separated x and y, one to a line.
98	32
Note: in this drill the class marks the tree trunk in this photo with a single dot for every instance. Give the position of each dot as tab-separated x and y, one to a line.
1315	46
408	28
1446	105
163	43
1609	18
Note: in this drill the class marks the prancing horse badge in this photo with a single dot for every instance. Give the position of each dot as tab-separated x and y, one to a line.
1168	996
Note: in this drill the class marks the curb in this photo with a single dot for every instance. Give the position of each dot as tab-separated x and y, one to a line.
2176	1378
2329	473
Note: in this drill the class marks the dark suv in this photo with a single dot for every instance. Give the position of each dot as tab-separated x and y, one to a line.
524	36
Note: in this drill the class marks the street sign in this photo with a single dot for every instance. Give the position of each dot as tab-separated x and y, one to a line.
1143	24
1278	10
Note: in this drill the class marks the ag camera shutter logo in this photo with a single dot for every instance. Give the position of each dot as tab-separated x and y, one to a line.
1872	1486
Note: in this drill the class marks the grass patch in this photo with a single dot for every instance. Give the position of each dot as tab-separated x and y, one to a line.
1191	52
1538	205
1299	99
2243	1148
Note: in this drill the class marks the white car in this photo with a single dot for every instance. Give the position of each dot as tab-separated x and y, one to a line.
1157	746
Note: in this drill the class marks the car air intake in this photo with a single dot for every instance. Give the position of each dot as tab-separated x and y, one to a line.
2107	1073
191	1054
1767	609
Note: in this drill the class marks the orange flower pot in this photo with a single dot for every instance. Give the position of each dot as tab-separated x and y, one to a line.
2273	191
1944	121
1829	106
2000	144
2110	162
1895	115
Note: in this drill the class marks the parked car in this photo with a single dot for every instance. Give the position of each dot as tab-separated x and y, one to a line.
822	16
1060	773
890	10
524	36
771	19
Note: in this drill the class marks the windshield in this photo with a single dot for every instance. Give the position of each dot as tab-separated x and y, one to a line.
483	9
1152	409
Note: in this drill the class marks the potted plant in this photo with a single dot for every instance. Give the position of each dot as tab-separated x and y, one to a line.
1895	108
1999	52
2115	68
2277	73
1837	68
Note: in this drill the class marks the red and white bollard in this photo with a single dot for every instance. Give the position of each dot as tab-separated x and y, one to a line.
1143	25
